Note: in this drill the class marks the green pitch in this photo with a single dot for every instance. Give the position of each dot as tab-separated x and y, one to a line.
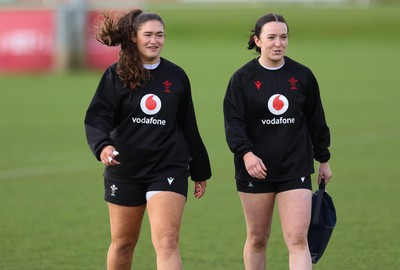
51	207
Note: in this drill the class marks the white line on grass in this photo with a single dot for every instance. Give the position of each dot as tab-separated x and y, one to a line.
25	172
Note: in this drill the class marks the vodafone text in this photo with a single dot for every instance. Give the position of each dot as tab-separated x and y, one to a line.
277	121
149	121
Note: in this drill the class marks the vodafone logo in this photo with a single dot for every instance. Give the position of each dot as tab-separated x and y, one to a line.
278	104
150	104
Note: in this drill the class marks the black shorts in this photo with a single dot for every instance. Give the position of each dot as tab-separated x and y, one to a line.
273	187
134	194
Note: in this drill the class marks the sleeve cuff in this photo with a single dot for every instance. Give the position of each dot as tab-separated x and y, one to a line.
323	156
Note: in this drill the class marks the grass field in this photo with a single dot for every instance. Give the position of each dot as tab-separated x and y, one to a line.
52	215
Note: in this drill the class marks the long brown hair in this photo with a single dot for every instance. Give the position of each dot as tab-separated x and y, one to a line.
113	31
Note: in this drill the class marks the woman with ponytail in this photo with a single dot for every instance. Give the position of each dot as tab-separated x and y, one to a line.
141	125
275	126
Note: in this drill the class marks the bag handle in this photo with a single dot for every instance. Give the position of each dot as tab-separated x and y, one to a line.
320	193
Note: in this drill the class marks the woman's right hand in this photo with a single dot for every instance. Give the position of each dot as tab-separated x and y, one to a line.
254	166
108	154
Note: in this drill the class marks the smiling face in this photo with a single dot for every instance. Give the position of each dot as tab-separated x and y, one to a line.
150	41
272	41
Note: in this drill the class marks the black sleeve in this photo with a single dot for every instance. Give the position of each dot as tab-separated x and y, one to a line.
316	122
234	108
99	119
199	166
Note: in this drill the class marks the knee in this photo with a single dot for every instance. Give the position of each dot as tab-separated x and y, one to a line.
165	242
123	248
297	241
257	242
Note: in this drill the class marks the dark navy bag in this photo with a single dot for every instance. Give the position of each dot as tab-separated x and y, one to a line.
323	220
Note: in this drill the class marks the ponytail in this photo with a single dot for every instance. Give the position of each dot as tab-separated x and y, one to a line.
252	44
271	17
113	31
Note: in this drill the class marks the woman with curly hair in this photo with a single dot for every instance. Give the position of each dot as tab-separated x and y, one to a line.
141	125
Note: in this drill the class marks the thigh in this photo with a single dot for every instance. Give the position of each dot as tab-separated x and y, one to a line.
258	210
125	222
165	210
295	211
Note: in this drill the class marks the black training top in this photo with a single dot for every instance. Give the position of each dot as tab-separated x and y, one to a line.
153	128
278	115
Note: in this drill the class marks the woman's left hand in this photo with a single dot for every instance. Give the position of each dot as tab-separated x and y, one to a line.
199	189
324	171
